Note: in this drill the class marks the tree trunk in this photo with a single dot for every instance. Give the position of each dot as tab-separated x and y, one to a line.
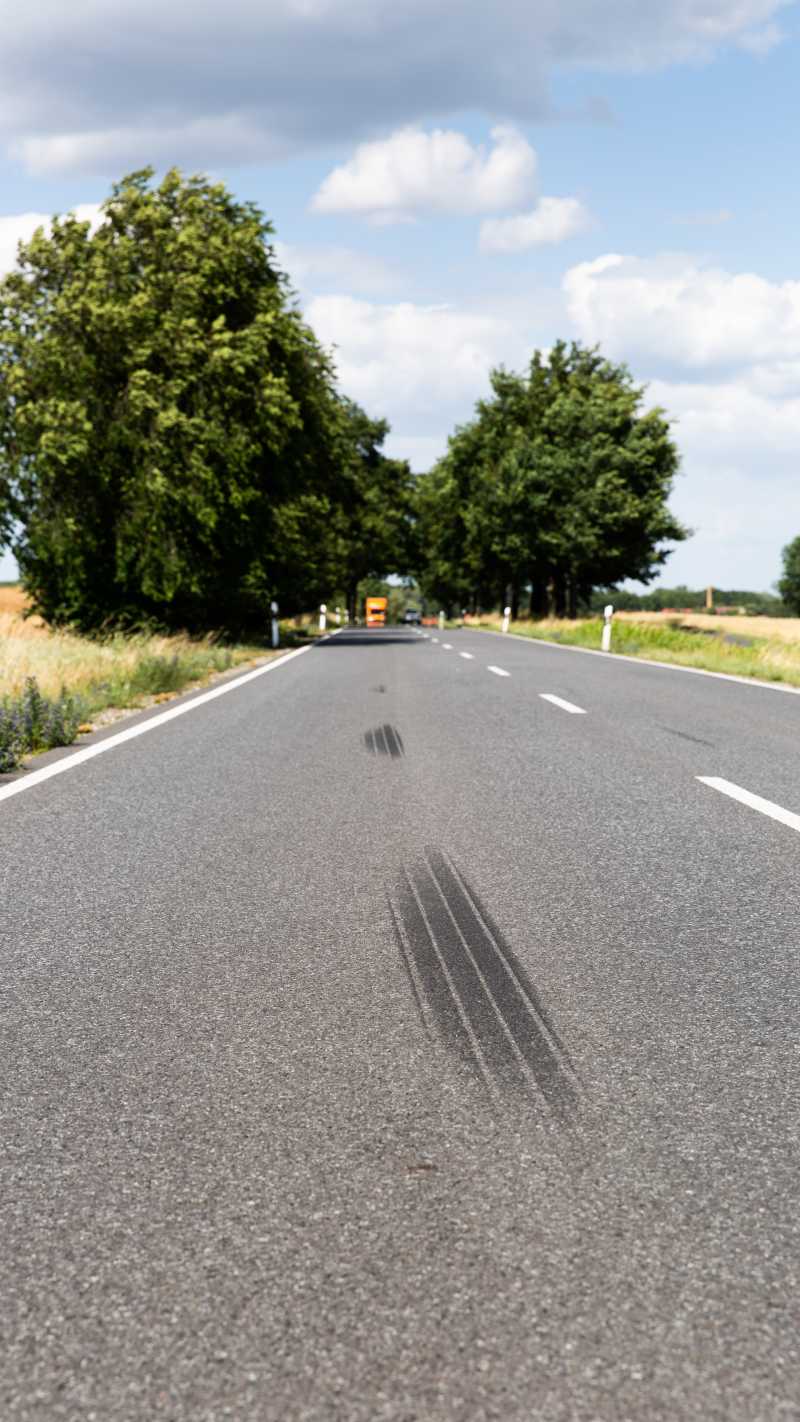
572	598
352	609
514	603
539	599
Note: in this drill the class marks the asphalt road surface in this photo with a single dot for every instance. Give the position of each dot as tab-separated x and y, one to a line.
382	1040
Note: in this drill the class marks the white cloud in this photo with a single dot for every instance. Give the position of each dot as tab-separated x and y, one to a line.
21	227
206	140
553	220
320	268
725	348
174	81
740	490
413	363
413	172
674	309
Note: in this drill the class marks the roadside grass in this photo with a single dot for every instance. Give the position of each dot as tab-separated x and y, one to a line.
779	629
718	648
55	683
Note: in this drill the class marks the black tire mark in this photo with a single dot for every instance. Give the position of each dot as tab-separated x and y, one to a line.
480	997
684	735
443	1002
398	933
385	740
520	1005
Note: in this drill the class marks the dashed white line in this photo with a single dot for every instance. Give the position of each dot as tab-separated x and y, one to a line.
434	639
468	657
755	802
447	646
498	671
565	705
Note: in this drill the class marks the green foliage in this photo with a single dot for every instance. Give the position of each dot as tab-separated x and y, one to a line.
33	722
170	439
153	673
376	523
767	658
752	603
559	483
789	585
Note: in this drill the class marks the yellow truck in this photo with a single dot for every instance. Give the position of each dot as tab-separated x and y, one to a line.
376	611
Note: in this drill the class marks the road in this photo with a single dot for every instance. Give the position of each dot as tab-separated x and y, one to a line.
384	1041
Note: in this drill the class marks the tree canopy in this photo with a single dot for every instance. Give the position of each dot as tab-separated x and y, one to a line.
173	446
377	523
789	585
559	483
171	441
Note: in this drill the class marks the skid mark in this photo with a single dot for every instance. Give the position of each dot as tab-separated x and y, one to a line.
385	740
469	984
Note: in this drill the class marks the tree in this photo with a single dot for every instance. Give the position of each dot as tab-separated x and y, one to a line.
375	524
560	483
789	585
170	438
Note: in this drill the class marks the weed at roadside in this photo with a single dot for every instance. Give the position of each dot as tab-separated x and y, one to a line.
33	722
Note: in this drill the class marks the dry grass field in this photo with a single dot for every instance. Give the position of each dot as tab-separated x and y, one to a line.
12	598
119	670
779	629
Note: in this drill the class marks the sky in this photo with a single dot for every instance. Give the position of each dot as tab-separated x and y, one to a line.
453	185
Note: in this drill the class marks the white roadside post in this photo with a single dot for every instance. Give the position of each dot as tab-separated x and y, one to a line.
323	621
506	616
338	615
276	631
608	614
347	617
441	622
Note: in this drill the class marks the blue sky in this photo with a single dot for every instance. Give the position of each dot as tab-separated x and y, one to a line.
452	188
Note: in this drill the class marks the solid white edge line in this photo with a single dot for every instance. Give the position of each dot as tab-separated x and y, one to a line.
468	656
643	661
498	671
755	802
79	757
565	705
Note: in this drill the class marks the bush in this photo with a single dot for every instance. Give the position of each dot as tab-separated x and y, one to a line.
32	722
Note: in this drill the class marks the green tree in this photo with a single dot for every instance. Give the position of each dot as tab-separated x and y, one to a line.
170	438
789	585
560	483
376	522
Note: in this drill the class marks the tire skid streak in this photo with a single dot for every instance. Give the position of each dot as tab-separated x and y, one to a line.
408	963
447	1004
484	1006
385	740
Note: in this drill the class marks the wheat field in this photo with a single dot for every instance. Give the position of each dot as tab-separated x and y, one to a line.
115	670
779	629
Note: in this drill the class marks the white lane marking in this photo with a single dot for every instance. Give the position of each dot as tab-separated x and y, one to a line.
100	747
498	671
468	657
565	705
620	657
434	639
755	802
447	646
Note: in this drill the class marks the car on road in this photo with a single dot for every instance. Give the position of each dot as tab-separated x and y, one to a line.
413	616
